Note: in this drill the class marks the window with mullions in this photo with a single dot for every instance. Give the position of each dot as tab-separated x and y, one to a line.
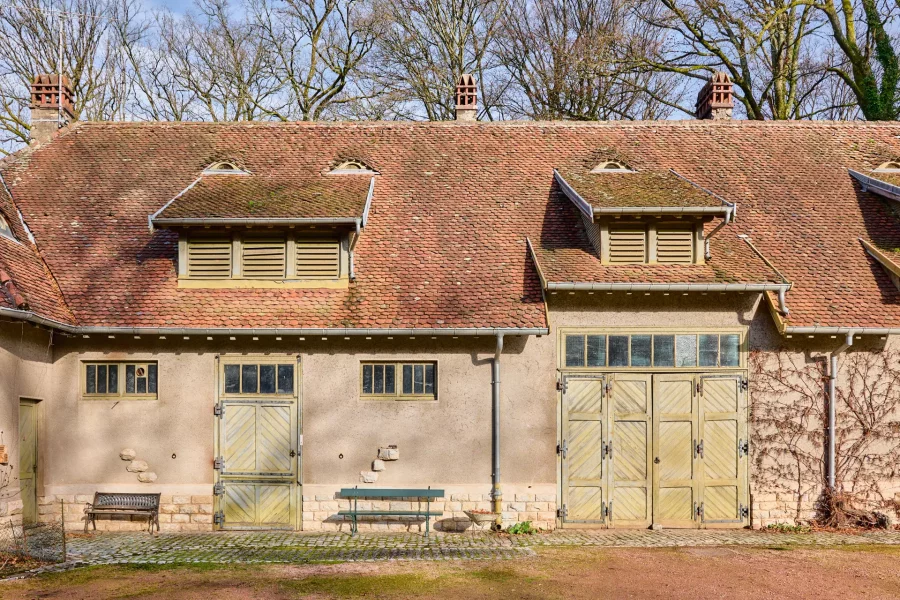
105	380
647	350
399	381
259	378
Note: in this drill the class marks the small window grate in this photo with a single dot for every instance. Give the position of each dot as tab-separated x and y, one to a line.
675	246
318	258
209	258
263	258
627	245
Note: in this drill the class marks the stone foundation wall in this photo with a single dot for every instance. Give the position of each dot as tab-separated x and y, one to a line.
781	507
176	513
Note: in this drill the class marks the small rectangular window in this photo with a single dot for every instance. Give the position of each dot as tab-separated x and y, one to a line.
574	350
417	381
596	350
628	244
263	257
640	351
249	379
618	350
685	350
102	379
285	379
268	378
709	350
232	379
663	350
730	353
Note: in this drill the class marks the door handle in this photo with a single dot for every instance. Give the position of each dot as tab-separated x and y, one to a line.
656	461
293	454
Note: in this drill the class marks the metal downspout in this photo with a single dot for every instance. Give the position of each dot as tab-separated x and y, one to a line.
496	492
728	218
832	412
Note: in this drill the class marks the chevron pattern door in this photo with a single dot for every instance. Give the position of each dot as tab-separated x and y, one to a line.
582	451
675	437
629	450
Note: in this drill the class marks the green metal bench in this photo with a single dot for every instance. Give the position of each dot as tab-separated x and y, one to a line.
356	493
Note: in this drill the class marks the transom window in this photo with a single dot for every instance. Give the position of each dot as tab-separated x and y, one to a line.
259	378
612	166
890	166
399	381
224	167
352	167
5	229
120	379
653	350
659	243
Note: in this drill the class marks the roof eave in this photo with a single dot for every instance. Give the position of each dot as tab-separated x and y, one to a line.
663	210
876	186
215	221
666	287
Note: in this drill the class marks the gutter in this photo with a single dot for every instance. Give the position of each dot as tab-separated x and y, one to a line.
832	408
31	317
664	210
881	188
856	331
202	221
496	491
729	218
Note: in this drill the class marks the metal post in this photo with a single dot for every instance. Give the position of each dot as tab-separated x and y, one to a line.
496	493
832	410
62	521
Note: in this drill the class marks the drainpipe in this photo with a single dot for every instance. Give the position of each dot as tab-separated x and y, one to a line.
496	492
729	217
832	401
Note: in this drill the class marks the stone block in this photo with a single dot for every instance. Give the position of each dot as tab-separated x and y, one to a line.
378	465
205	509
545	497
128	454
187	509
137	466
83	498
14	507
368	476
168	508
181	499
198	518
181	518
148	477
324	497
389	453
524	498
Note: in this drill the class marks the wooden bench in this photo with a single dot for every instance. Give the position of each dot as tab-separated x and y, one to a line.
105	503
356	493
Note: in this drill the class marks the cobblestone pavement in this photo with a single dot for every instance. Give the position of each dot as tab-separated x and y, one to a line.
289	547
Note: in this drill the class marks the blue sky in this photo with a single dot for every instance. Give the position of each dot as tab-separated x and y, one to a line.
175	5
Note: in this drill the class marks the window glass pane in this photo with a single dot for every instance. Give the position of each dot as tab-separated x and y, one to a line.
574	350
618	350
429	379
664	350
367	379
685	350
640	351
151	378
101	379
389	384
379	379
90	378
731	351
113	379
266	379
596	350
232	379
141	385
129	379
249	374
709	350
285	379
407	379
419	380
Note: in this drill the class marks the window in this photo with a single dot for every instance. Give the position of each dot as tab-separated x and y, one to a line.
653	350
353	167
224	167
631	244
259	378
399	381
273	257
612	166
120	380
5	229
890	166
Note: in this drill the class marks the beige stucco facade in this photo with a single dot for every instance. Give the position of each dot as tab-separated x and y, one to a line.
443	444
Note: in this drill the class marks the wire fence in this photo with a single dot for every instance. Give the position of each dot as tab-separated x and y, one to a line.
44	542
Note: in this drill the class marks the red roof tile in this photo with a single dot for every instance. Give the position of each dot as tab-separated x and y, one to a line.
639	189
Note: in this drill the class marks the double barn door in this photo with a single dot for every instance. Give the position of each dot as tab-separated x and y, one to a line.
639	449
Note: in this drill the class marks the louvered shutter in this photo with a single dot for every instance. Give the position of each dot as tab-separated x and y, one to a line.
318	258
627	245
263	258
675	246
209	258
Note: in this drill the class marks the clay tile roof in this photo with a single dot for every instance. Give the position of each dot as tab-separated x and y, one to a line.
247	197
641	189
453	205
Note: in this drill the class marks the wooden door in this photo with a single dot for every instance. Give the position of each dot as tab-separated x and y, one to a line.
582	450
28	459
675	439
628	449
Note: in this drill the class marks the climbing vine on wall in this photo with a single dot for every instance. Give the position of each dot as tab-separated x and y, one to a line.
789	415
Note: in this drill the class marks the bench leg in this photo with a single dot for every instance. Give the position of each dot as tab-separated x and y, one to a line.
427	523
87	521
354	529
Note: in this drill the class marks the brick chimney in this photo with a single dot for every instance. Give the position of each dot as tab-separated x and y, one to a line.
716	100
466	98
47	114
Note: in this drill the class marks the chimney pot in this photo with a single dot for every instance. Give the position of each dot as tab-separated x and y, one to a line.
466	98
51	106
716	99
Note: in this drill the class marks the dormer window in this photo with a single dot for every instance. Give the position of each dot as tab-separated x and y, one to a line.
353	167
5	229
612	166
650	243
891	166
224	167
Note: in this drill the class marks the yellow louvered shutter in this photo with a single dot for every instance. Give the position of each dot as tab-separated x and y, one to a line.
675	246
627	245
209	258
263	258
318	258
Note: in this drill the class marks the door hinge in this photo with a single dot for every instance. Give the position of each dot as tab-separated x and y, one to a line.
562	449
219	518
219	464
745	511
743	448
219	489
609	510
744	384
563	512
219	410
561	386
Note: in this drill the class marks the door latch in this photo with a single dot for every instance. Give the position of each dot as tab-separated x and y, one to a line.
743	448
293	454
562	449
698	510
698	449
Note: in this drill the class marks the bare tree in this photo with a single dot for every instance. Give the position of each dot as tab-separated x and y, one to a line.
579	59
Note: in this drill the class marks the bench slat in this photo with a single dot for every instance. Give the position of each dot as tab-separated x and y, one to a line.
391	513
390	493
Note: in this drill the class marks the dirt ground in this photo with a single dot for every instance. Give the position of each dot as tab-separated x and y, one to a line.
690	573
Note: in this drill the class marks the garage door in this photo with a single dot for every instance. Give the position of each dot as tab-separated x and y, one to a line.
640	448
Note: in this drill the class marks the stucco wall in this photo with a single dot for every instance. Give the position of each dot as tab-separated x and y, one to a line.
25	373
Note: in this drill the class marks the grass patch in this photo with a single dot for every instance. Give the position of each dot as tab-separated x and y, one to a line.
355	586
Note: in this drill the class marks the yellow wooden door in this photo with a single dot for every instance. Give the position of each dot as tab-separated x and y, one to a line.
258	464
628	450
723	456
675	438
582	450
28	460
